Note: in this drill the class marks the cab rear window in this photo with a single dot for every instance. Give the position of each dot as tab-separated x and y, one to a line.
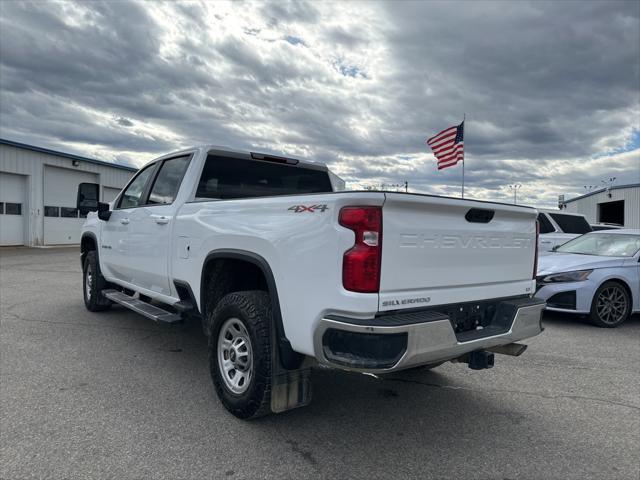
226	178
571	223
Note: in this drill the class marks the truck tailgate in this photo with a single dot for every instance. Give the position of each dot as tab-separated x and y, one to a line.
438	250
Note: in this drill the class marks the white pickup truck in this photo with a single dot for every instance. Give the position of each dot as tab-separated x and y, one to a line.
286	273
558	227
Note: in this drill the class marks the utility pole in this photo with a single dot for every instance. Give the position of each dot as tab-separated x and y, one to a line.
514	188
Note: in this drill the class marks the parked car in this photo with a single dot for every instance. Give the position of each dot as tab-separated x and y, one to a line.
284	271
596	274
558	227
605	226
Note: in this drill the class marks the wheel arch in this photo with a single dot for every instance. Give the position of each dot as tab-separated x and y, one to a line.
88	242
288	357
625	285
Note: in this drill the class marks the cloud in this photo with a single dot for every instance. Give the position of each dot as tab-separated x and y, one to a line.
125	122
551	90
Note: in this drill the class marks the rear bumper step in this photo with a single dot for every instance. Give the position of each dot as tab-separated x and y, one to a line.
143	308
405	340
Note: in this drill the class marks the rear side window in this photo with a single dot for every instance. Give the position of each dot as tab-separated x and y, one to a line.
168	181
545	224
571	223
226	178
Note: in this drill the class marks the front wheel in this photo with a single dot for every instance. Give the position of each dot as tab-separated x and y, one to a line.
240	353
93	284
611	305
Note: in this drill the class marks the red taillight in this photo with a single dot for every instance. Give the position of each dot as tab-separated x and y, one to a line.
535	256
361	264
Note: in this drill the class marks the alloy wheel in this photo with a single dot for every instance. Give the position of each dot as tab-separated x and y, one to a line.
611	305
235	356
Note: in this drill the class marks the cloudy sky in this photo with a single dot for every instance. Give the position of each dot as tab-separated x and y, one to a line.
551	91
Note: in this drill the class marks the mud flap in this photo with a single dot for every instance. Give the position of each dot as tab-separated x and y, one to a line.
289	388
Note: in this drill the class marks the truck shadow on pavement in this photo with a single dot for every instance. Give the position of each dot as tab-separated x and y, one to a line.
426	415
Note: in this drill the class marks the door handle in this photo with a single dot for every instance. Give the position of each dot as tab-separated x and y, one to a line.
160	219
124	221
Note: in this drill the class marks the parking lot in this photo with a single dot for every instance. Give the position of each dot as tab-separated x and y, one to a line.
113	395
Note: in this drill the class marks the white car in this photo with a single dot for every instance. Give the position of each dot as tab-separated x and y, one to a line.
596	274
558	227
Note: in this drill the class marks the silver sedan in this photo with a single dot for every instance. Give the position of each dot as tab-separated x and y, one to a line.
596	274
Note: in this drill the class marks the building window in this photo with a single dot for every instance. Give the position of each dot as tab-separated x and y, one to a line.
13	208
67	212
611	212
51	211
1	208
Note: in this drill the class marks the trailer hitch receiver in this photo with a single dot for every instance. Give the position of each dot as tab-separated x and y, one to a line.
480	359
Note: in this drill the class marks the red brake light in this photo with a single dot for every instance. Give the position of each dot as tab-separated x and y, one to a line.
535	257
361	263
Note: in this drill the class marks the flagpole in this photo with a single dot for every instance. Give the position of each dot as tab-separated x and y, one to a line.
464	116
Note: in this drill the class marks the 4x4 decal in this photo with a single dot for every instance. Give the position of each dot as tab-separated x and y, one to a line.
308	208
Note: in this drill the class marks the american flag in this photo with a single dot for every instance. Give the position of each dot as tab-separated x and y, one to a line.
448	146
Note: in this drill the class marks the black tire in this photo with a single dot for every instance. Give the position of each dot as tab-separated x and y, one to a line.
93	283
611	305
252	309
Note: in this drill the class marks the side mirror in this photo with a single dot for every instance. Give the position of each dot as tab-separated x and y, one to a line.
87	201
88	195
555	248
103	211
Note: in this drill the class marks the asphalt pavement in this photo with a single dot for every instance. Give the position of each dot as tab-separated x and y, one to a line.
113	395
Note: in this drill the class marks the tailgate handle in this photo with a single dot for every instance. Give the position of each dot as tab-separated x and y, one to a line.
479	215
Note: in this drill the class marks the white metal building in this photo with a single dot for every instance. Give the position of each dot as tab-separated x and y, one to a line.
38	189
616	204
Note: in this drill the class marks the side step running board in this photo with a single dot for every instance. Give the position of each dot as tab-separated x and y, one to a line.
143	308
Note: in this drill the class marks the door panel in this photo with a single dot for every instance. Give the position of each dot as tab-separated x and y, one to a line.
149	247
151	227
115	246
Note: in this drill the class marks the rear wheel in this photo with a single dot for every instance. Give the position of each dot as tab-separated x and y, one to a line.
93	284
611	305
240	353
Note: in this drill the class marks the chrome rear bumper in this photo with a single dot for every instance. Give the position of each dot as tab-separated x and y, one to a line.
426	337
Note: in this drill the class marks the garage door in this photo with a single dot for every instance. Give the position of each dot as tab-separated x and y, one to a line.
13	209
62	222
109	193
